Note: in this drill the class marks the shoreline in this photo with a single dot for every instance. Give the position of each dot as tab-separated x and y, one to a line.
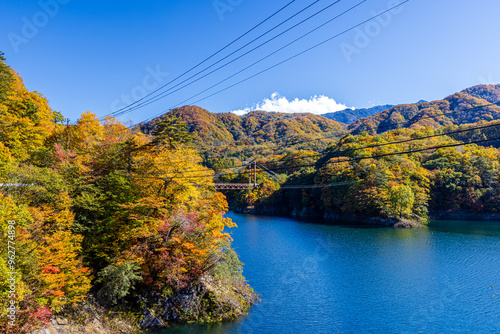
362	220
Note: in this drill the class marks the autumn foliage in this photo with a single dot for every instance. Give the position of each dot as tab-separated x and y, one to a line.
99	209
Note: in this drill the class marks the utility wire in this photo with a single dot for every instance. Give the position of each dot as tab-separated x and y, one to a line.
364	158
234	52
288	59
210	57
259	61
393	154
339	153
400	142
399	125
169	92
369	146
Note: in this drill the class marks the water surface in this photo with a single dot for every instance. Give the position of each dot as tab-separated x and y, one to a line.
317	278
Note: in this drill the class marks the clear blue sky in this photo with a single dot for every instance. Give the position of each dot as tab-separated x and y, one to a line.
87	54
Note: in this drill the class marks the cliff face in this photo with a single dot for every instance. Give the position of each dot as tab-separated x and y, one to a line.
207	301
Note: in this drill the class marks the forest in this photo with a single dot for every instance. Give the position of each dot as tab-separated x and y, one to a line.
376	178
96	217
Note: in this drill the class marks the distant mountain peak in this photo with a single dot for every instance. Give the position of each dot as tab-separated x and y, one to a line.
351	115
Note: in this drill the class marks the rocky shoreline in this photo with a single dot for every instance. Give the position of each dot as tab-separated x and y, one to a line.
206	301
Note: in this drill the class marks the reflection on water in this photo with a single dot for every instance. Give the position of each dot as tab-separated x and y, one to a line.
467	227
316	278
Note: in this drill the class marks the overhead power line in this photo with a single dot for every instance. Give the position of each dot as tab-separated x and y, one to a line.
339	153
406	140
392	154
360	158
239	49
284	61
210	57
399	125
255	63
315	186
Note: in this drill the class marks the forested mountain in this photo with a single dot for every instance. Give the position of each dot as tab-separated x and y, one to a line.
256	127
434	114
375	180
260	127
349	116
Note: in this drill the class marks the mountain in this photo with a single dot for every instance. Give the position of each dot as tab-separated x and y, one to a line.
349	116
256	127
453	109
227	131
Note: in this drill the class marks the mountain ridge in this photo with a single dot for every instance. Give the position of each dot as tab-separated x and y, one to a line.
454	109
259	127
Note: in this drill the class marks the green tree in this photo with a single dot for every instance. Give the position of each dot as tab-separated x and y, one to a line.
171	132
399	200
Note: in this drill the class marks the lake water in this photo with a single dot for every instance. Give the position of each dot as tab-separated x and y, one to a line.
317	278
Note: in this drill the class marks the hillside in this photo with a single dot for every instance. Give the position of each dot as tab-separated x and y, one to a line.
254	128
349	116
436	113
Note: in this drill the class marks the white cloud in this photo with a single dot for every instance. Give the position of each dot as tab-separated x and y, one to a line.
315	105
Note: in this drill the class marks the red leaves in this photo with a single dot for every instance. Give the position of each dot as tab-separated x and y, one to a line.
51	270
63	157
41	316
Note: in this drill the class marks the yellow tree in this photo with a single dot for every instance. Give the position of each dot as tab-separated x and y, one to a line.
64	278
25	119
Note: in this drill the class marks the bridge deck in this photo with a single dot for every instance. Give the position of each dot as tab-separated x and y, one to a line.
233	186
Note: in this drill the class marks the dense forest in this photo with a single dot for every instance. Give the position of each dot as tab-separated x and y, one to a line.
225	140
382	161
366	176
95	219
436	113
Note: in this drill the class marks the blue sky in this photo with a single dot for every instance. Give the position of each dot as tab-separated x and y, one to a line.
94	55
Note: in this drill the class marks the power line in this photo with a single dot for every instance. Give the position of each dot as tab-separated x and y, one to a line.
210	57
369	146
288	59
399	125
315	186
356	149
388	154
234	52
169	92
392	154
406	140
257	62
212	175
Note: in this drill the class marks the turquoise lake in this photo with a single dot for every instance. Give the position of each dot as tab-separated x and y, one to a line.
318	278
